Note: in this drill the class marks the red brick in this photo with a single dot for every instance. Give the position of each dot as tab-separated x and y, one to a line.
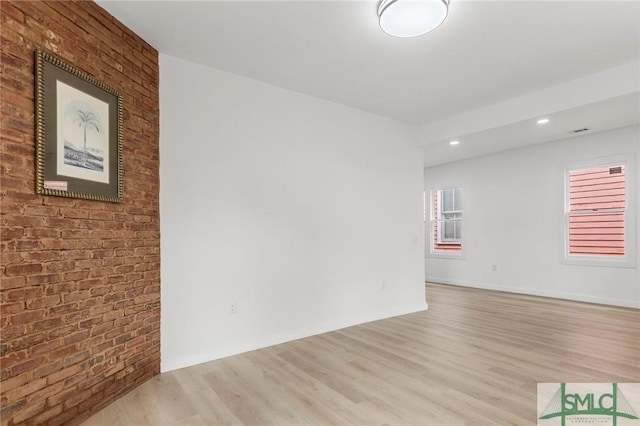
50	389
90	303
77	398
64	331
12	282
46	347
43	279
75	296
43	302
114	332
123	338
101	272
88	323
59	309
75	317
29	245
74	213
43	233
77	337
14	382
46	324
10	409
46	415
26	389
22	293
90	244
27	341
11	308
76	358
12	332
134	342
99	291
29	365
38	210
43	256
24	269
65	417
63	374
101	215
76	275
60	266
61	288
46	370
29	411
102	328
12	233
13	12
88	263
27	317
60	397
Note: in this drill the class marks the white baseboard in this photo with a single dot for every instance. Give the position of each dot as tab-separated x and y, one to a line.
285	336
535	292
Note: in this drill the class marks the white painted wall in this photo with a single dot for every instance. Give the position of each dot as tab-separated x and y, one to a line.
294	207
513	207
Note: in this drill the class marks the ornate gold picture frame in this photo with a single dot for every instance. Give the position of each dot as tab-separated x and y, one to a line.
78	133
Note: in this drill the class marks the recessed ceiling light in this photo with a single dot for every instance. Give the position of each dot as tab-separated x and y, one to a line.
543	121
454	143
410	18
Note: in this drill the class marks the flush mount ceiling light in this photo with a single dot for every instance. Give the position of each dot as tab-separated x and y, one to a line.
453	143
410	18
543	121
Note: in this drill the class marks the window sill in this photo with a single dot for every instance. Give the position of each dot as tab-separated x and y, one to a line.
624	262
446	255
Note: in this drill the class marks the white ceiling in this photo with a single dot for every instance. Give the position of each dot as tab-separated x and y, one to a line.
485	53
595	117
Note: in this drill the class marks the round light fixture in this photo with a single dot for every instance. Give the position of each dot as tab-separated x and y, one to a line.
453	143
543	121
410	18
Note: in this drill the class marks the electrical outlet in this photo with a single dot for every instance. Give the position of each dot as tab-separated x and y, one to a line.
234	308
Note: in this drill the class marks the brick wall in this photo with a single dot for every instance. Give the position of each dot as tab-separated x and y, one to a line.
80	288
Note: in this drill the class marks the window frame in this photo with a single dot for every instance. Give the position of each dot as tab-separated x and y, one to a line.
430	239
440	230
628	260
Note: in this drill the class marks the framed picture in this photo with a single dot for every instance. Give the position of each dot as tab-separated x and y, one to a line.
78	133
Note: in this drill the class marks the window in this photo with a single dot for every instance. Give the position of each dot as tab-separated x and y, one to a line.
599	214
596	211
449	215
447	220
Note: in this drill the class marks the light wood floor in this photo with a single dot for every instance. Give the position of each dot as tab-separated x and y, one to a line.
473	358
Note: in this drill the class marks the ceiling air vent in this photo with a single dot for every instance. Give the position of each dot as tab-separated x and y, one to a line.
580	130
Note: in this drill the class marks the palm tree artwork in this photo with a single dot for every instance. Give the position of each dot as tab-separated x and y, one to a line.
82	115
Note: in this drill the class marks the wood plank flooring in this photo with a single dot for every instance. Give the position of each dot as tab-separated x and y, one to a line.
473	358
